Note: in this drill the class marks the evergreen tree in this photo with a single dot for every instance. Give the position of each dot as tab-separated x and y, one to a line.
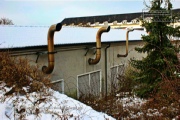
161	54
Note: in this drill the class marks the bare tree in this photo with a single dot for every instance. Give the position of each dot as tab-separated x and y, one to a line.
6	21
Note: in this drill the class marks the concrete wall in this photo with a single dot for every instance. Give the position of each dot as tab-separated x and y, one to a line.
70	63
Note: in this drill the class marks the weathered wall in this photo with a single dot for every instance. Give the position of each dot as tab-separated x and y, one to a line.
70	63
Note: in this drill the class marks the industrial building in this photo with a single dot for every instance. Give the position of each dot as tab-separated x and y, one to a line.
82	57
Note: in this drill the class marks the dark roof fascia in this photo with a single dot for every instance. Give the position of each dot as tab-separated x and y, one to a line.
109	18
102	18
176	10
105	15
42	47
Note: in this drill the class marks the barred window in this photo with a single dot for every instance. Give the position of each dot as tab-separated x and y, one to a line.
117	77
89	84
58	85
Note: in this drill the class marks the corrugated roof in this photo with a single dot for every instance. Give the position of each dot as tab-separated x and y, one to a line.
12	36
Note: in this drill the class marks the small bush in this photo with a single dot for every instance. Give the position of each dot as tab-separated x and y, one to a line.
167	99
163	102
21	77
129	79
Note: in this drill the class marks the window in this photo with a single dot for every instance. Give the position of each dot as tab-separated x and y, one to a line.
133	21
88	24
106	23
89	84
176	26
58	85
177	20
115	23
96	24
171	25
124	22
117	77
148	19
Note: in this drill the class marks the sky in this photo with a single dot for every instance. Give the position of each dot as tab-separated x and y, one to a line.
48	12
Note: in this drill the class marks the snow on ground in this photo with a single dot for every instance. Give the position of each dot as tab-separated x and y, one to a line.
136	103
137	112
50	106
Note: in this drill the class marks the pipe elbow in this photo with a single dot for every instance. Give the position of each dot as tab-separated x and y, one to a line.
48	69
94	61
125	55
90	61
108	28
58	27
54	28
104	29
50	40
98	45
127	44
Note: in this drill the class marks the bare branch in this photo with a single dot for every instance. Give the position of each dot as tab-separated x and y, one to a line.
6	21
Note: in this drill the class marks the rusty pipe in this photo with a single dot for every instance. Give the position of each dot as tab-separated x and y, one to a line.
98	45
127	43
50	41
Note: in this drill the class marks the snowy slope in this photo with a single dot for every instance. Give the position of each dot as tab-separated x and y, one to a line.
50	106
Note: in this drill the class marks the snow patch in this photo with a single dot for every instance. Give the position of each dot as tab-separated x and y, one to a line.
53	106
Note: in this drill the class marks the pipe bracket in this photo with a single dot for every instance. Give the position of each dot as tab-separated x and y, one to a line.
37	57
38	54
51	52
96	50
118	55
86	51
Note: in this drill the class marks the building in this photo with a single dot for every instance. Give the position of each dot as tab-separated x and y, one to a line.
74	45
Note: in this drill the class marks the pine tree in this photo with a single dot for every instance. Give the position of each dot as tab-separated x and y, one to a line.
161	54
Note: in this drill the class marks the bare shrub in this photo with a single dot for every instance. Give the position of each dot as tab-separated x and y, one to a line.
17	73
26	92
167	99
163	103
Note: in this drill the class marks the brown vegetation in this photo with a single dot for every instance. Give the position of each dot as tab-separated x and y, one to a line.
164	104
20	76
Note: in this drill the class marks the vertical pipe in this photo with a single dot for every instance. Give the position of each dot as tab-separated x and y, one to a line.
50	37
127	39
98	45
106	68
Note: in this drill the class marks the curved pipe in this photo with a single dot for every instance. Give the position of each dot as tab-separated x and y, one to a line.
98	45
50	37
127	39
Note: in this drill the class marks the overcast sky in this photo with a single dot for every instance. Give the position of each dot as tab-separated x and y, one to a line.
47	12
